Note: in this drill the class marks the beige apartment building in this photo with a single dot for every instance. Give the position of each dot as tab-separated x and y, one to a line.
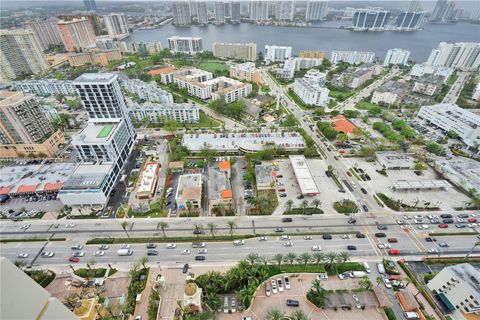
313	54
240	51
94	56
246	71
77	34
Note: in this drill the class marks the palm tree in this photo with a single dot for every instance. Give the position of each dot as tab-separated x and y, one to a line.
331	257
289	205
316	203
70	300
298	315
305	258
290	257
231	225
317	285
212	300
20	264
378	280
212	226
143	261
252	258
265	260
318	257
189	208
90	263
163	226
274	314
278	258
473	248
365	283
198	229
343	256
304	206
124	225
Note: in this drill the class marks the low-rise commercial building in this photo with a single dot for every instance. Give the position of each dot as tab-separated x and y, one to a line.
392	160
239	51
46	87
147	92
462	172
246	71
94	56
450	117
153	112
391	92
243	142
49	148
305	180
219	190
264	177
458	287
189	192
355	77
147	183
428	84
189	45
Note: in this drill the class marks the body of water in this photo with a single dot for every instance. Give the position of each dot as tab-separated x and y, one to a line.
325	37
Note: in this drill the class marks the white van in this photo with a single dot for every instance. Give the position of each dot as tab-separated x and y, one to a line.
381	268
367	267
411	315
124	252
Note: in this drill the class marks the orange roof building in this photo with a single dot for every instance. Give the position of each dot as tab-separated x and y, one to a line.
341	124
220	190
226	167
27	188
226	194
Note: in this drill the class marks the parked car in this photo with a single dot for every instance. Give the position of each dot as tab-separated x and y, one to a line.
185	268
74	259
380	235
293	303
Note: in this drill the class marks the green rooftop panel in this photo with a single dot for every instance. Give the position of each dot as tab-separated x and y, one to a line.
105	131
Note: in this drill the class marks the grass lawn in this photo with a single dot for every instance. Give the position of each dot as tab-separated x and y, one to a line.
213	66
205	122
340	95
452	79
272	196
364	105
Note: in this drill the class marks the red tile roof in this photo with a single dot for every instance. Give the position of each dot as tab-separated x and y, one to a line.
52	186
160	71
27	188
5	190
341	124
226	194
224	165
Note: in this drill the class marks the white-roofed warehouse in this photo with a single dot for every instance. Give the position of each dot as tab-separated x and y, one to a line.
308	187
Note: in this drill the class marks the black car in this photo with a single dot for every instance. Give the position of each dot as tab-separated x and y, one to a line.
352	221
293	303
365	208
360	235
364	190
327	237
445	216
185	268
283	195
382	227
367	177
278	229
198	232
380	235
351	247
300	196
287	220
152	252
430	239
199	258
151	245
448	221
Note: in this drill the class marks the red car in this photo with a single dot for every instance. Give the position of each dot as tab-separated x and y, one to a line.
393	252
472	220
74	259
443	225
281	190
349	173
392	240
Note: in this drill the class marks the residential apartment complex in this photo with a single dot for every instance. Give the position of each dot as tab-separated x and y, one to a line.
189	45
20	54
312	54
370	20
443	12
147	92
428	84
258	10
355	77
202	13
460	55
219	10
277	53
296	64
189	193
246	71
316	10
284	10
396	56
46	32
181	13
240	51
156	112
94	56
353	57
46	87
116	24
235	12
77	34
390	92
458	287
450	117
409	21
138	47
310	89
419	70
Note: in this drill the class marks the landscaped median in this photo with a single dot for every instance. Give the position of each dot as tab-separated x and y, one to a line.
464	233
31	240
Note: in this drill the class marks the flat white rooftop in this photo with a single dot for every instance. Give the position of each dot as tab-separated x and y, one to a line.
304	176
149	176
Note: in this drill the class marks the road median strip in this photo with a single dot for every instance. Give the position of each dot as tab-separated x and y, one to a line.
31	240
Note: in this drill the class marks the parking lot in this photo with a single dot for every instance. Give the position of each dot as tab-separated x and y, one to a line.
24	203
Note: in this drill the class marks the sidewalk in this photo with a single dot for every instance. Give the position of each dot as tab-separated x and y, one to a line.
142	305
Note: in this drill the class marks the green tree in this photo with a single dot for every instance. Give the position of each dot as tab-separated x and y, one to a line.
212	227
288	205
305	258
171	126
365	283
274	314
343	256
298	315
278	258
198	228
304	206
316	203
163	226
318	257
231	226
290	257
124	225
252	258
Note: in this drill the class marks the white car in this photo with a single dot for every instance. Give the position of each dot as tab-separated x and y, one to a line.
25	226
307	237
322	276
262	239
287	282
460	220
238	242
285	237
472	225
280	284
186	251
171	245
288	244
274	286
423	226
47	254
384	246
345	236
99	253
316	248
267	291
22	255
387	283
433	250
125	246
418	216
202	251
70	225
400	221
418	221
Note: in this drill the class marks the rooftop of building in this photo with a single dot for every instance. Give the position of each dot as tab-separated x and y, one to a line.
469	274
9	97
303	175
264	174
453	111
246	66
431	78
234	43
394	159
184	38
341	124
219	184
224	165
88	175
148	177
96	78
164	70
161	106
189	186
312	85
96	133
393	87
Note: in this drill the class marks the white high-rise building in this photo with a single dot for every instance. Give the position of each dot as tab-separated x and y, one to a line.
20	54
181	13
116	24
310	91
46	32
219	8
104	145
316	10
202	13
460	55
193	8
284	10
258	10
352	57
367	19
396	56
188	45
235	12
277	53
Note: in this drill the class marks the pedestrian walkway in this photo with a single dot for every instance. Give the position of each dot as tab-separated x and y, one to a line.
141	308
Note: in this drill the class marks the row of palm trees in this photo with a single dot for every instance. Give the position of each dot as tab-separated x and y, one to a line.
304	205
275	314
305	258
